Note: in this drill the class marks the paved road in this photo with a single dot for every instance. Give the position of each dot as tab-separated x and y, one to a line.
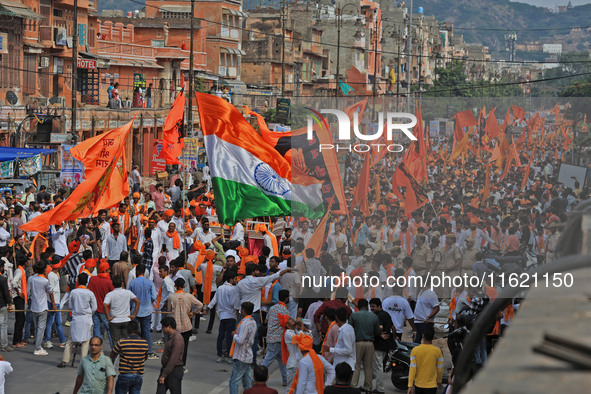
39	374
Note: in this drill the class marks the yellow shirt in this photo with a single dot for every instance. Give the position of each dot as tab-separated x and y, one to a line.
426	366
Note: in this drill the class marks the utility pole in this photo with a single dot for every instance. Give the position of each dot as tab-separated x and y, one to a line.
421	49
283	20
408	60
339	25
398	71
191	76
74	67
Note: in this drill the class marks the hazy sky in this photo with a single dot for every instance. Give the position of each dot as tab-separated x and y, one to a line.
552	3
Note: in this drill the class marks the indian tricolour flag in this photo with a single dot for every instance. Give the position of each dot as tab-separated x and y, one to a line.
250	178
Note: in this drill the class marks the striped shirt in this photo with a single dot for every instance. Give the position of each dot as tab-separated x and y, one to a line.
133	353
243	340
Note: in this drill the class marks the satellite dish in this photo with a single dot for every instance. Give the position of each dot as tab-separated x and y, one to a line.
11	97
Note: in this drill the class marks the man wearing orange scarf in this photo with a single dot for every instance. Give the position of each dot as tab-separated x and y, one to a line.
290	351
241	349
309	378
172	240
275	333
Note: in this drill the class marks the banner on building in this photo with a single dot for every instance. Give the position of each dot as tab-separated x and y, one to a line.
30	166
158	162
72	173
190	156
434	128
7	169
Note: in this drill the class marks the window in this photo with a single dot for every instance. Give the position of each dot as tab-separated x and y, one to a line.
58	13
158	43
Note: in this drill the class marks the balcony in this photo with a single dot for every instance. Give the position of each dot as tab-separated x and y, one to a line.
46	33
81	3
125	50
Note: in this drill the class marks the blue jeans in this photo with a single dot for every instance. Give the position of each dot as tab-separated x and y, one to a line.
57	318
148	102
480	356
274	353
225	331
28	321
129	383
241	372
145	323
100	325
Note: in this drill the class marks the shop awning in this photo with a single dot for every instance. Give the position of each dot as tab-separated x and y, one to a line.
233	51
230	11
14	8
7	153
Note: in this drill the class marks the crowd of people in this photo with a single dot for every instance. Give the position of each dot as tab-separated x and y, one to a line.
147	272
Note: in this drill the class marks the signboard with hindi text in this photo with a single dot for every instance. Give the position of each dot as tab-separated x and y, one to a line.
7	169
30	166
190	157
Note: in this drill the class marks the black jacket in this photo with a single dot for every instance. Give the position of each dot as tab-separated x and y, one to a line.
4	292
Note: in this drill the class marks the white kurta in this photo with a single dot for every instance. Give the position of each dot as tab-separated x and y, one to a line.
83	305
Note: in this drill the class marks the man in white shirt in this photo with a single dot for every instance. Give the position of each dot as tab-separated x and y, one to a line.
344	350
4	235
117	307
399	309
83	305
228	303
39	294
238	233
114	244
205	235
307	370
54	285
59	236
425	310
336	237
249	290
302	231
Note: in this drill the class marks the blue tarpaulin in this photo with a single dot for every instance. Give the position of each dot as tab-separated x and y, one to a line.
7	154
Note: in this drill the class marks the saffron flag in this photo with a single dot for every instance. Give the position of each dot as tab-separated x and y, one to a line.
95	152
362	190
486	191
85	199
173	141
249	177
318	239
518	113
492	126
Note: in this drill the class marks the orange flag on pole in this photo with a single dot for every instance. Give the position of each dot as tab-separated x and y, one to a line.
492	126
486	191
173	143
94	151
85	199
362	190
518	113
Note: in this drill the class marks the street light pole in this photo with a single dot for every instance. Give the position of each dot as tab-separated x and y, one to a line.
283	19
74	67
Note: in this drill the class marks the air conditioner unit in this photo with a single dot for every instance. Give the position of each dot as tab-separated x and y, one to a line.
222	70
232	72
44	62
41	101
